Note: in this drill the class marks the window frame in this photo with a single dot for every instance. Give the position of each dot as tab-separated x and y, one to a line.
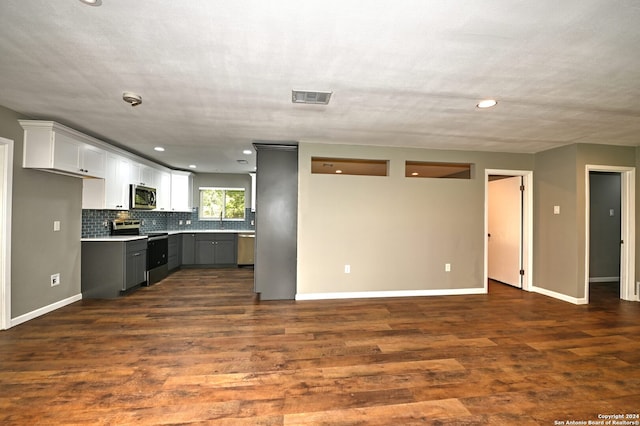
224	207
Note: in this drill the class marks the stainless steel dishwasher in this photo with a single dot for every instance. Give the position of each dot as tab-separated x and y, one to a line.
246	248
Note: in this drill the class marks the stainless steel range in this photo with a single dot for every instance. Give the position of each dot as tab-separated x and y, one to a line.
157	247
157	256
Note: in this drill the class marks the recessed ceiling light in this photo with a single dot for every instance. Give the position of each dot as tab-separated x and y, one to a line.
159	149
192	166
92	2
247	152
414	174
487	103
338	171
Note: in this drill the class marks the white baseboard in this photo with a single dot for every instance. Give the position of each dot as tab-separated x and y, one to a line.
44	310
395	293
603	279
559	296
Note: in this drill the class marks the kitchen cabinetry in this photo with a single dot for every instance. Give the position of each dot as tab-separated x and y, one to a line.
188	249
56	148
162	182
141	174
210	249
181	191
216	249
112	267
174	252
112	192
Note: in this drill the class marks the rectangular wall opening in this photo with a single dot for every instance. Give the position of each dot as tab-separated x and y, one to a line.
438	170
349	166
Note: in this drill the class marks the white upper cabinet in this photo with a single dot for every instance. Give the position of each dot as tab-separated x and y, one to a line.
112	192
181	191
163	190
141	174
52	147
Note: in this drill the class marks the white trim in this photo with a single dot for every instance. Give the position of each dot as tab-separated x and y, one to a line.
628	289
45	309
527	215
6	204
559	296
603	279
390	293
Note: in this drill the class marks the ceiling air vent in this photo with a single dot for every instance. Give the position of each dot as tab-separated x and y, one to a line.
308	97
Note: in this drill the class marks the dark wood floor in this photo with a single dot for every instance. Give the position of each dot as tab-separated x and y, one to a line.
198	348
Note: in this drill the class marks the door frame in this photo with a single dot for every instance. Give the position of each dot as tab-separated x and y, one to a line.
628	290
6	185
527	221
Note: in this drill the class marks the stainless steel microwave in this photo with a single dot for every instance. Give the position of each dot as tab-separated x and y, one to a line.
143	197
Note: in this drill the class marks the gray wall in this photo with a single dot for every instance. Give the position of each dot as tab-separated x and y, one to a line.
559	240
39	198
604	229
396	233
555	239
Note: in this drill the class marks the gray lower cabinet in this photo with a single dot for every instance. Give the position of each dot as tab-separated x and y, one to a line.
188	249
110	268
174	252
211	249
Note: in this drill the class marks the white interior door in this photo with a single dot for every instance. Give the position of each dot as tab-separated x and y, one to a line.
505	230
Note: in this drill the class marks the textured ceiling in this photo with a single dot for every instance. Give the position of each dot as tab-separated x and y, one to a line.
216	75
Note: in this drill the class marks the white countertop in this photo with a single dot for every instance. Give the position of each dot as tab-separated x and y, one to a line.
116	238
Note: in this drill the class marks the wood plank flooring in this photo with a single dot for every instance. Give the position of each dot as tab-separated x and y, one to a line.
199	348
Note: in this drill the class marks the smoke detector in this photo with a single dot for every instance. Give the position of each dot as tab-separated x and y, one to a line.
132	98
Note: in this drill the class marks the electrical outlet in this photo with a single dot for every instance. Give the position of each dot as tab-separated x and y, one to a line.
188	222
55	279
347	269
153	222
180	222
253	222
447	267
56	225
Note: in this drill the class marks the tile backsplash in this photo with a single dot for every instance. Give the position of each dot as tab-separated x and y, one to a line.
93	221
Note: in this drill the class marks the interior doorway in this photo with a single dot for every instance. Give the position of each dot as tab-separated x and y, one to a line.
505	230
509	227
6	176
610	230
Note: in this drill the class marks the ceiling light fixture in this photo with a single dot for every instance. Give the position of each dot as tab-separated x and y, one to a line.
487	103
338	171
192	166
310	97
159	149
92	2
132	98
247	152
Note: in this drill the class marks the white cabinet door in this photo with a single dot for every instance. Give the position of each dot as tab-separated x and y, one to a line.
77	157
112	192
92	160
181	191
142	174
66	153
117	182
163	190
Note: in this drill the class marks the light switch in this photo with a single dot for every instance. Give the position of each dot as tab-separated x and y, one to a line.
56	225
556	209
611	212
